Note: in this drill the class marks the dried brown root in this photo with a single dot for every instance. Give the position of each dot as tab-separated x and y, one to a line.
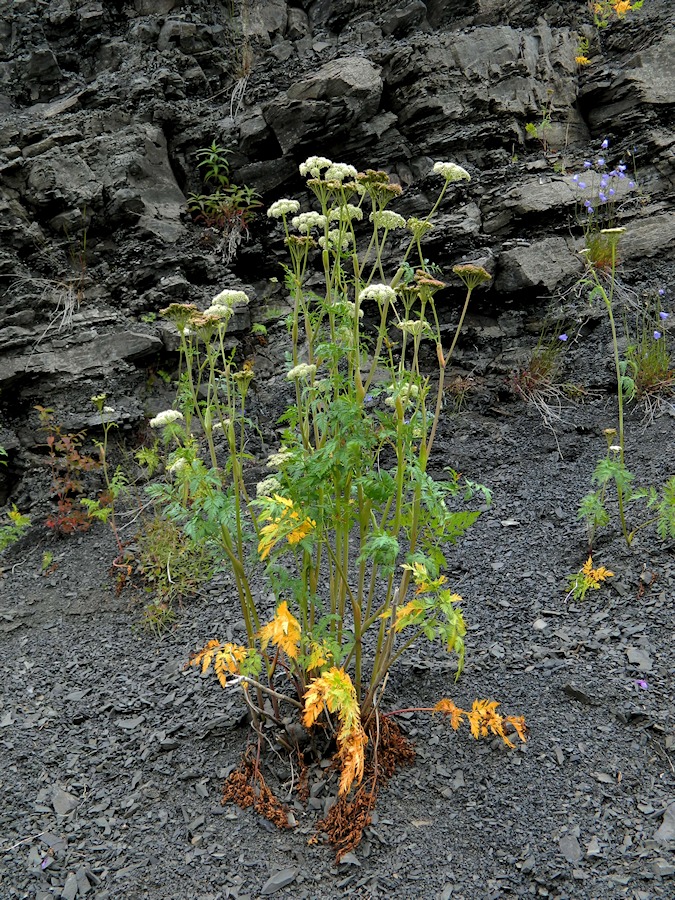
348	817
246	787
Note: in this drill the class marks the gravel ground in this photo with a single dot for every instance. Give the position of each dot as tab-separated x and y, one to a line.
114	755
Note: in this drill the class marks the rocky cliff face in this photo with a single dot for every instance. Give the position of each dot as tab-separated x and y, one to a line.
103	106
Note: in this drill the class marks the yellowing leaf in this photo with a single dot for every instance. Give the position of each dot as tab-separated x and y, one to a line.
352	756
283	631
227	661
519	726
204	657
408	614
335	689
448	707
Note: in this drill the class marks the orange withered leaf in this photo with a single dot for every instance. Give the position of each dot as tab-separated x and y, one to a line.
283	631
448	707
204	657
227	661
519	726
335	689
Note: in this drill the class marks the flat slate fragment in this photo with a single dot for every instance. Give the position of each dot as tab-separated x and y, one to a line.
279	880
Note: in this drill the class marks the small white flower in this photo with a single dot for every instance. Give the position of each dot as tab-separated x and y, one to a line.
345	308
334	240
175	468
283	208
340	172
384	218
313	166
381	293
419	227
308	220
219	426
612	231
344	336
346	213
218	312
451	171
166	417
109	409
303	370
416	327
277	460
230	298
615	448
268	486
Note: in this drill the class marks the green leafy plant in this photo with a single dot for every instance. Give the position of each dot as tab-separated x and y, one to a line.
349	529
648	361
68	465
612	469
11	531
604	193
604	11
539	381
225	206
540	131
583	46
586	579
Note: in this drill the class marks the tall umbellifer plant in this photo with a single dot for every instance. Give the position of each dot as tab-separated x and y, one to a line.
349	528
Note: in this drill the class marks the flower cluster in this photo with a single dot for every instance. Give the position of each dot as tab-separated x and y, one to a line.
283	208
303	370
387	220
308	220
335	240
230	298
268	486
340	172
346	213
313	166
405	393
345	308
605	186
381	293
419	227
277	460
415	327
451	171
166	417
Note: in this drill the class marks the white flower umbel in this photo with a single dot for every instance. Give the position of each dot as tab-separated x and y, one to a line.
231	298
346	213
303	370
381	293
385	218
345	308
416	327
109	409
313	165
334	241
166	417
451	171
340	172
175	467
283	208
268	487
218	311
308	220
277	460
419	227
